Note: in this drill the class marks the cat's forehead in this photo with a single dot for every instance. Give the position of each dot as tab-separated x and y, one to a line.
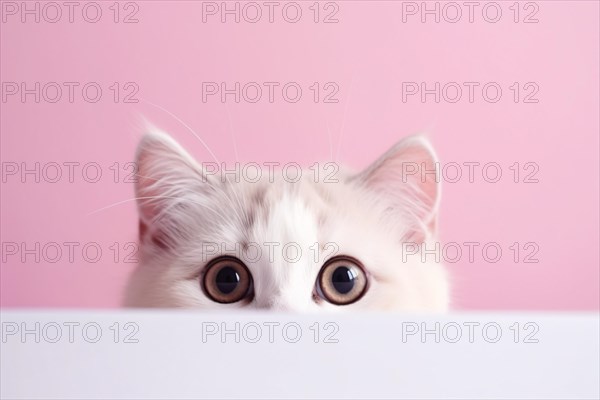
313	216
286	211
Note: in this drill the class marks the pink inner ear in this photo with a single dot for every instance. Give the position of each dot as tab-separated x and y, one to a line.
420	169
407	175
426	176
143	228
158	237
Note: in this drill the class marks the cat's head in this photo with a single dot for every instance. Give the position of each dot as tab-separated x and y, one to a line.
326	240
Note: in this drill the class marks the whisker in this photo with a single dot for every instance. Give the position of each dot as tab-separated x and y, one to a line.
142	198
344	117
237	158
202	142
170	197
330	141
187	127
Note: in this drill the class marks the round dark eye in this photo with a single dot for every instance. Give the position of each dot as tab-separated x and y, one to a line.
342	280
227	280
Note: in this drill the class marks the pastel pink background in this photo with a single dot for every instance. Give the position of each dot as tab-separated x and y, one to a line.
369	53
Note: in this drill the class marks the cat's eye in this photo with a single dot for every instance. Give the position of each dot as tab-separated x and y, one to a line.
227	280
342	280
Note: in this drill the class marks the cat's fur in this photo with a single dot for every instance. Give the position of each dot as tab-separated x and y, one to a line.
366	215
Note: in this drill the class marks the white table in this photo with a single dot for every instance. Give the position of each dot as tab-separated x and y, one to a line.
184	354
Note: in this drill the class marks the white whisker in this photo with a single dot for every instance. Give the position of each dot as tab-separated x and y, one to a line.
187	127
237	158
202	142
344	118
142	198
330	141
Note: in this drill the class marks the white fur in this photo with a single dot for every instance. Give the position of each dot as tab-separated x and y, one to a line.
366	215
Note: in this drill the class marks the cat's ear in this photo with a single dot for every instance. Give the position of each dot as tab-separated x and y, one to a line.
407	177
168	183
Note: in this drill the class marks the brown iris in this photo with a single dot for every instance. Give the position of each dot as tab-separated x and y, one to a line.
227	280
342	280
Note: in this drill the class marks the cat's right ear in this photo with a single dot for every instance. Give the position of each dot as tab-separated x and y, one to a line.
169	182
407	178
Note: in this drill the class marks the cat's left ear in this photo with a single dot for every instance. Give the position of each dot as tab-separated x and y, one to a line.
170	185
407	177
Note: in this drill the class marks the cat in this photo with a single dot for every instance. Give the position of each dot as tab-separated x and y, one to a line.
244	241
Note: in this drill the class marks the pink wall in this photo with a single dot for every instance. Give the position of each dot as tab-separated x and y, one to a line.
369	53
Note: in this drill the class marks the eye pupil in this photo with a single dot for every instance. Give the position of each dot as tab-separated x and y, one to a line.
343	279
227	280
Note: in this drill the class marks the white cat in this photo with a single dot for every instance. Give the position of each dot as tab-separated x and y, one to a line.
218	241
